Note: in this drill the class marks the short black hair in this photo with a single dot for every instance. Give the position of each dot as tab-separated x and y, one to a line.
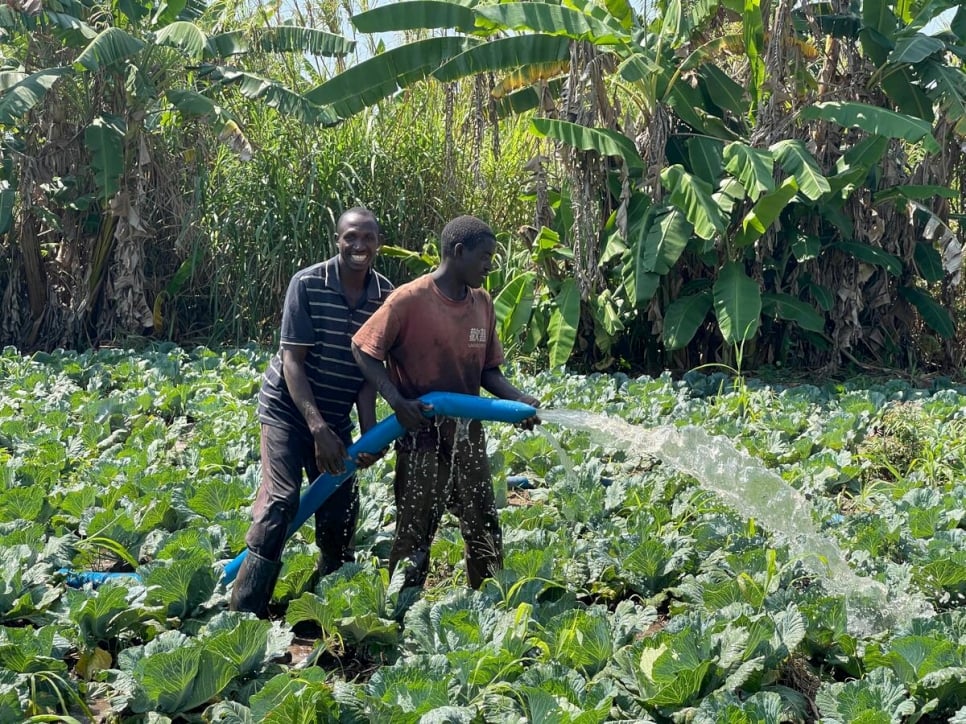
466	230
356	211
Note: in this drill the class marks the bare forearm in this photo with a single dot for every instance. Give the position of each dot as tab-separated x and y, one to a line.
376	375
366	407
496	384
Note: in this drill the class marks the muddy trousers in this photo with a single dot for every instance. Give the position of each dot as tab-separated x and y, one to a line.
438	469
286	457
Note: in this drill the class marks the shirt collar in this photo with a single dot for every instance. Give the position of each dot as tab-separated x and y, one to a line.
334	282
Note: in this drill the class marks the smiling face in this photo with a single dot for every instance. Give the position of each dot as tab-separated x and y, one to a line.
358	241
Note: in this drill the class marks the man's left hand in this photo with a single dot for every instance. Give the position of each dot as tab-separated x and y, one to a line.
530	422
364	459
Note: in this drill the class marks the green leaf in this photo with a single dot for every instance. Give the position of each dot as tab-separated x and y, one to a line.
104	614
182	585
368	628
642	286
112	46
562	328
583	138
183	678
879	26
104	138
301	697
298	39
526	99
415	15
688	104
737	304
513	306
8	200
22	96
552	19
212	497
580	640
273	95
822	295
225	45
753	168
673	22
933	313
929	262
722	90
753	31
903	86
505	54
878	121
311	608
705	155
913	192
370	81
916	48
191	103
765	212
806	247
244	644
622	11
667	236
185	36
877	697
785	306
865	154
951	85
870	255
683	317
797	161
693	196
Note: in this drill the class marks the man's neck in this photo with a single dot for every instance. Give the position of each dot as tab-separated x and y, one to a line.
448	286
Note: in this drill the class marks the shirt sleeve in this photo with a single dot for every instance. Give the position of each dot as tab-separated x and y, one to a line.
380	332
297	325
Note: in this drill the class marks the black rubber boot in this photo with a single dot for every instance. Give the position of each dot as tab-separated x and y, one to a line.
253	586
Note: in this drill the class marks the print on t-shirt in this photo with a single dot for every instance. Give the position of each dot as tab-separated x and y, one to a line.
477	337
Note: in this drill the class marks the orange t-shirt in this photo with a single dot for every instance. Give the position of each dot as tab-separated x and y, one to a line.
431	342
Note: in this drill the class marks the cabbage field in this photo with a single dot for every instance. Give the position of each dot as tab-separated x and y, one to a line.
631	590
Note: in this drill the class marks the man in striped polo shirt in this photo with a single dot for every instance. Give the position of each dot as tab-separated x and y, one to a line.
304	407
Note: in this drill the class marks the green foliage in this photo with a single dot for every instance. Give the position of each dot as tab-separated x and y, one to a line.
104	615
877	697
181	584
747	204
301	696
628	590
352	603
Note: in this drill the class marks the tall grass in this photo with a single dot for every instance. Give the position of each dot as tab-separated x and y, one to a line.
261	220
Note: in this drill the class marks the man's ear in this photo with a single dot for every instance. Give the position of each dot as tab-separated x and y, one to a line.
458	250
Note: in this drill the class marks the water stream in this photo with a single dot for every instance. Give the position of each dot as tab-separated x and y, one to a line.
755	492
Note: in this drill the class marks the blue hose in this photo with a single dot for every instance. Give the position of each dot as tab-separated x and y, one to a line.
77	579
445	404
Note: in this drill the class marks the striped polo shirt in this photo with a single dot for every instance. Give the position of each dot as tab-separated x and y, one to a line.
317	315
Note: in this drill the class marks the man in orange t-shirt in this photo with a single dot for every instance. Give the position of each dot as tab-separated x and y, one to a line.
438	333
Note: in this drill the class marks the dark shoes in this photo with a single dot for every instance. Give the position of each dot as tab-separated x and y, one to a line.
252	589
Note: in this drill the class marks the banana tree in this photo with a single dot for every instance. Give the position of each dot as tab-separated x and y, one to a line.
719	189
87	177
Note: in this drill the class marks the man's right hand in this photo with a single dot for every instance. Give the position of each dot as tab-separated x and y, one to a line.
412	414
330	452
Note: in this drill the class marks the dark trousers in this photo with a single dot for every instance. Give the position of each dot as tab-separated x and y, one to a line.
286	456
437	469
